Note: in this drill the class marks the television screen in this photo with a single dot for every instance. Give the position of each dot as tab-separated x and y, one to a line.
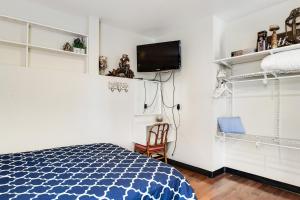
159	57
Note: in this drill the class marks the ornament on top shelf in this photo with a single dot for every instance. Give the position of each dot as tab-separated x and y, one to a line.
261	44
292	24
274	38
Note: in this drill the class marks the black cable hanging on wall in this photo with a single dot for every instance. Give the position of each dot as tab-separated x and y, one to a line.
173	106
164	104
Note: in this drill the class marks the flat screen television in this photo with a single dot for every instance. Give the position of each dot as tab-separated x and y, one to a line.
159	57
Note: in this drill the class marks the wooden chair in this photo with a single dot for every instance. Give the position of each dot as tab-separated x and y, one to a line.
156	142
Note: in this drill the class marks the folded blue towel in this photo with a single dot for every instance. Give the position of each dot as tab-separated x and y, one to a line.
231	125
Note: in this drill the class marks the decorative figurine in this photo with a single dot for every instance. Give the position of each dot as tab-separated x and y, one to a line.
262	41
293	23
274	38
124	68
67	47
102	64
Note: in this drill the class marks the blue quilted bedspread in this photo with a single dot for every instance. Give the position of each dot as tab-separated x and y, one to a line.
88	172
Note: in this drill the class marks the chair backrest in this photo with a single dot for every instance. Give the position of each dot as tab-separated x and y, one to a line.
158	134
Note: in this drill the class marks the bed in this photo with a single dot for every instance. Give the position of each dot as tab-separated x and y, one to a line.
89	172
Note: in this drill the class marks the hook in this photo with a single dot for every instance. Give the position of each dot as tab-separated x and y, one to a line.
265	81
118	86
257	144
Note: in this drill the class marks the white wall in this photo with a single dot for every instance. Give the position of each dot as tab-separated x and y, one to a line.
195	82
256	103
41	109
219	105
40	14
115	41
194	89
49	108
255	22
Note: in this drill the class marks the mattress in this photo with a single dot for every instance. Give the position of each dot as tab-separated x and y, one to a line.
89	172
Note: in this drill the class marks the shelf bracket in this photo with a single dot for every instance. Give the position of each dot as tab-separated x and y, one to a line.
265	81
257	144
226	64
274	74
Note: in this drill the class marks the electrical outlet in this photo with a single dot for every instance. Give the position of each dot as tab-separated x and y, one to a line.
178	106
145	106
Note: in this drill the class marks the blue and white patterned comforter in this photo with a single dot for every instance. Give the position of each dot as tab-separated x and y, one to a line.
88	172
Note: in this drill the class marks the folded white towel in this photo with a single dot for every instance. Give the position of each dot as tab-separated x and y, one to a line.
289	60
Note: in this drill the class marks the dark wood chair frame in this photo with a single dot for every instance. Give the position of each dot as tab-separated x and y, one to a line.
160	133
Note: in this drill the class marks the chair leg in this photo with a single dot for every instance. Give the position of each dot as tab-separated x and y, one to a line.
166	158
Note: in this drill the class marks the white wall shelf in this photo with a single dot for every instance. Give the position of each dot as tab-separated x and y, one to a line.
12	19
13	43
34	36
58	29
252	57
56	50
21	21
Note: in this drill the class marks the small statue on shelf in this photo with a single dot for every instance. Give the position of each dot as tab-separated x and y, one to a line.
274	38
261	44
293	23
124	68
67	47
102	64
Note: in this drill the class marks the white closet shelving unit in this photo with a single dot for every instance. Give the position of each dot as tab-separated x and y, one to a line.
29	44
229	63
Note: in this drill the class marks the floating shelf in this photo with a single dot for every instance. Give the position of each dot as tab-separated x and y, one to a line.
58	29
56	50
41	25
261	140
252	57
15	20
13	43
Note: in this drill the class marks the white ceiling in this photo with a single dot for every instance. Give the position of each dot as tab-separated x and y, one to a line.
150	17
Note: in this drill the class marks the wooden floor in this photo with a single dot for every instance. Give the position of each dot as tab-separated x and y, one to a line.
231	187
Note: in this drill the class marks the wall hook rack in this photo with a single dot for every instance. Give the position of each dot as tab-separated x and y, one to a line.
119	86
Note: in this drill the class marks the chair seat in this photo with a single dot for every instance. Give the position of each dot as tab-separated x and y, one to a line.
151	148
157	136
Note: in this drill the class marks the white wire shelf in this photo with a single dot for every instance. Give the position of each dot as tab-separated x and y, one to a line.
252	57
261	140
259	76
